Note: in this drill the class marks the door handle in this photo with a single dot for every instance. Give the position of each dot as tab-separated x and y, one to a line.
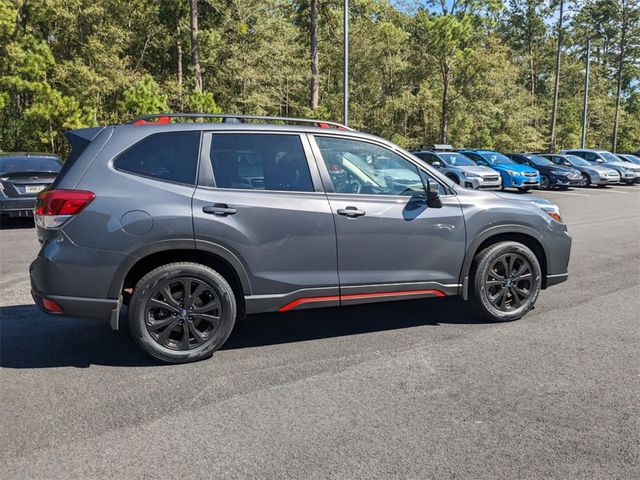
219	209
351	212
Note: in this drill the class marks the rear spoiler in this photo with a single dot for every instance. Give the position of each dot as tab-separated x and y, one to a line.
86	134
79	139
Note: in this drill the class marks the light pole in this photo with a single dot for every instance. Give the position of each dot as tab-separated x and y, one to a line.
345	82
583	139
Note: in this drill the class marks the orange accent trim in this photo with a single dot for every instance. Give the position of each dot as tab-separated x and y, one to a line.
300	301
437	293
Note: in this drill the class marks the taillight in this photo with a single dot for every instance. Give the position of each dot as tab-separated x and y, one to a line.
55	207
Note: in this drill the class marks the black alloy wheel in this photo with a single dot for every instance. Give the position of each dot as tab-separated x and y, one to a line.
545	183
508	282
183	313
506	279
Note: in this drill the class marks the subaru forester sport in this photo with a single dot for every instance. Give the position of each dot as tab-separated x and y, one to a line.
194	225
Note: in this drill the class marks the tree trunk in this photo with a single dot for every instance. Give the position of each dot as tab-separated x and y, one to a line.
179	45
444	115
556	87
315	76
195	45
616	115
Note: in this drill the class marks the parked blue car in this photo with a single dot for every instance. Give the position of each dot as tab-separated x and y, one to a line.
514	175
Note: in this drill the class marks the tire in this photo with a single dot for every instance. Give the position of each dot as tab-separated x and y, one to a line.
524	189
200	322
587	180
545	182
488	289
454	178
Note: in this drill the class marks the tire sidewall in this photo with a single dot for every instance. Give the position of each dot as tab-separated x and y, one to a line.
482	270
143	292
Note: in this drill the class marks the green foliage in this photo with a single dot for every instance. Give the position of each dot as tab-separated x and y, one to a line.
142	97
74	63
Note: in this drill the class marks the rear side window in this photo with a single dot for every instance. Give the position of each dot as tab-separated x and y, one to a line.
260	162
170	156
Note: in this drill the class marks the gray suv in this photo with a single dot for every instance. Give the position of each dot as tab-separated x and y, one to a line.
194	225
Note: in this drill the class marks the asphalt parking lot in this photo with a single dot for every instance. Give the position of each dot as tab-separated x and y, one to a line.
417	389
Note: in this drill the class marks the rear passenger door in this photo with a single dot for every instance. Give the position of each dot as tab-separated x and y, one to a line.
260	197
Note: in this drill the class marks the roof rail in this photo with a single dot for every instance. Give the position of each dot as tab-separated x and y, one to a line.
233	118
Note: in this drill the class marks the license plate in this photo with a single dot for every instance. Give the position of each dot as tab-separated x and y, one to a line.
34	188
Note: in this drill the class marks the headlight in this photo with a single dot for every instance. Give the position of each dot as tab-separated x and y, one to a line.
549	208
561	173
513	173
471	175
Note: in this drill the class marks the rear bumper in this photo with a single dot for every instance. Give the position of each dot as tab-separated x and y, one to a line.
93	308
19	207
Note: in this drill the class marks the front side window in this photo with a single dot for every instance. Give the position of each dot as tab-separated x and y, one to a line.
260	162
170	156
364	168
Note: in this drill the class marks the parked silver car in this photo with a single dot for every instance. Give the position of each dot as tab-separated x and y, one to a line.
591	173
460	168
628	173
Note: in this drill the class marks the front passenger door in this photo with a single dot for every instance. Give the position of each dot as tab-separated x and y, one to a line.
390	242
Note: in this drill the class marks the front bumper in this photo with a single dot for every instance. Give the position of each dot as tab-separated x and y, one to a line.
18	207
558	181
629	177
520	182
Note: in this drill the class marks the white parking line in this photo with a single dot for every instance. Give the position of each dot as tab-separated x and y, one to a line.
565	193
607	190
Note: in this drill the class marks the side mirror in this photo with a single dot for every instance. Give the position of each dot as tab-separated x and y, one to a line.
433	199
599	160
479	162
436	164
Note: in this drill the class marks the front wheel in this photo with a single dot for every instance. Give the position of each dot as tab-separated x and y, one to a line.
587	179
524	189
506	280
182	312
545	183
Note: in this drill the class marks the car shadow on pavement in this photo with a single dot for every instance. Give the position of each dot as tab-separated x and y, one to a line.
32	339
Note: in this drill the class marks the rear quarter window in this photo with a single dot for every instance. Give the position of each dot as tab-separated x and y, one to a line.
168	156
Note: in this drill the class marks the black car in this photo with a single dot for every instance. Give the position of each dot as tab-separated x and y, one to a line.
22	177
551	175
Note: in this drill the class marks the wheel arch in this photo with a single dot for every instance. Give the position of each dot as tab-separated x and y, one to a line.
214	256
515	233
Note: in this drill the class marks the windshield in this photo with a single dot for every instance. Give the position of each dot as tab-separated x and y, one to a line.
29	164
496	158
539	161
609	157
631	158
578	161
457	160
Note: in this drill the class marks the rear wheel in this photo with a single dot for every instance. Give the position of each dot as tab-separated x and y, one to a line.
182	312
506	280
